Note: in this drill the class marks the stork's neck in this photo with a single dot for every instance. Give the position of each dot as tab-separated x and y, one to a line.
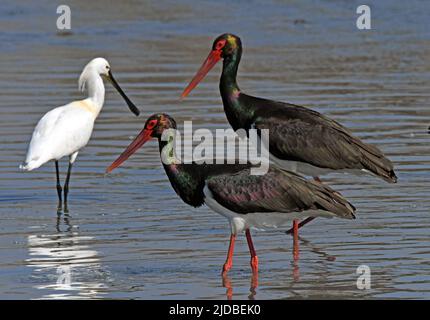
185	182
96	90
228	84
238	114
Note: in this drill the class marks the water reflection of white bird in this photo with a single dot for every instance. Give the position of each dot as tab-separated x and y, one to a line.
65	130
71	267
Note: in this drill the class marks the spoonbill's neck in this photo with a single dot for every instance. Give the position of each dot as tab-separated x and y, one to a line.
96	90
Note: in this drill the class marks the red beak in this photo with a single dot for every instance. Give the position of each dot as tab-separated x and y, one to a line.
143	136
213	57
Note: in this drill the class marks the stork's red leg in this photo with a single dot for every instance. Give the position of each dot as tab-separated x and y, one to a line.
229	261
296	225
296	239
296	228
301	224
254	258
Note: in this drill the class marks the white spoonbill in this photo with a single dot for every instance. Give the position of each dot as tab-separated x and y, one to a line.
65	130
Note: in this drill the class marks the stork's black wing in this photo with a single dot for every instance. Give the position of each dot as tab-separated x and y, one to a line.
276	191
300	134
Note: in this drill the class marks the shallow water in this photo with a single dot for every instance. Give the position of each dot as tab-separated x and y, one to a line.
128	235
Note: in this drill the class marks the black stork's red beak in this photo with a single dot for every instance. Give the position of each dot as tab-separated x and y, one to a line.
213	57
144	136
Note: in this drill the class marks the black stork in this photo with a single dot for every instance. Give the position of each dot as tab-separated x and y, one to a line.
247	201
300	139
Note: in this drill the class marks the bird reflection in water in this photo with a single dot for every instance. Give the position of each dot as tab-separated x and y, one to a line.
227	282
65	267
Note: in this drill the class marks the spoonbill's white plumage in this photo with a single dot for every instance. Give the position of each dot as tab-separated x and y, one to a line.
64	130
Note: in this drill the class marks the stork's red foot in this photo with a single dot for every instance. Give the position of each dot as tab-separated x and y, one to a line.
254	285
229	261
226	283
254	258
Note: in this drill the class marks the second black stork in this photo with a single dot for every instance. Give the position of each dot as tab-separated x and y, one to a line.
246	200
300	139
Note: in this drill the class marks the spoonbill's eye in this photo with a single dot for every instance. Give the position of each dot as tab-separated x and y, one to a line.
151	124
107	67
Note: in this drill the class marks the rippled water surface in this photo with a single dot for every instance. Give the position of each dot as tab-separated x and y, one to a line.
128	234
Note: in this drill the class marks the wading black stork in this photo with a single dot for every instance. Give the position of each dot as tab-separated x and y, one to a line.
259	201
300	139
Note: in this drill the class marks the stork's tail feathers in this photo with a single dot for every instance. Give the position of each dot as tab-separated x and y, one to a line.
317	195
392	177
332	201
378	164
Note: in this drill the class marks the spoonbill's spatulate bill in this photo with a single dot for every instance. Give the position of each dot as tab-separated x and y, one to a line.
259	201
300	139
63	131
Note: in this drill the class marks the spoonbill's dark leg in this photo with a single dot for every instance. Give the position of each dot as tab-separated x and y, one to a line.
254	258
229	261
59	189
66	186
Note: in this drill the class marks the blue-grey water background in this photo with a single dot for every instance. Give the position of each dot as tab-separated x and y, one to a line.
128	234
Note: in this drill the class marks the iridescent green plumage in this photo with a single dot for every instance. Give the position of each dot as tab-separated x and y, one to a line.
295	132
235	188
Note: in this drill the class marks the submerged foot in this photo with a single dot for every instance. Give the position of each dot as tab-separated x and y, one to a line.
254	285
226	283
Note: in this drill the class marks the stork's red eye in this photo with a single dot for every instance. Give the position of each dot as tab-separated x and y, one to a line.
151	124
220	44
